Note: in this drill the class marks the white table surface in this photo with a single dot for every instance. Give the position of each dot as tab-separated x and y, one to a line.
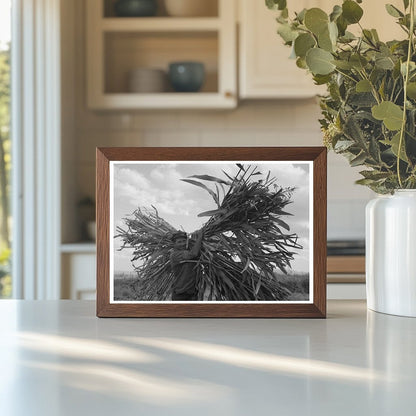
57	358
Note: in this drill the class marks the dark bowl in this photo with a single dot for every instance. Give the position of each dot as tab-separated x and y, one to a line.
135	8
186	76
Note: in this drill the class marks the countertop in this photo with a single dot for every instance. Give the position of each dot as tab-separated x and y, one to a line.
57	358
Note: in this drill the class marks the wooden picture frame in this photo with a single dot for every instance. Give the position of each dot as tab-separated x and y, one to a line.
312	160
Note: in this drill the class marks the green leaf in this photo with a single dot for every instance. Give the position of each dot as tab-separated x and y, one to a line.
281	19
319	61
342	25
406	4
349	36
382	89
391	114
345	65
374	175
301	63
316	20
411	90
374	150
363	86
321	79
358	61
343	145
393	11
384	62
336	12
358	160
362	99
301	15
276	4
375	35
353	131
325	42
394	143
405	21
287	33
303	43
365	182
412	67
351	11
333	32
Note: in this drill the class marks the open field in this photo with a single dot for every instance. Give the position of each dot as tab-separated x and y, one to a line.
297	284
128	287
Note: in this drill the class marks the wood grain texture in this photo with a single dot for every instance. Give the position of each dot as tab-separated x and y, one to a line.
346	264
103	230
319	229
317	309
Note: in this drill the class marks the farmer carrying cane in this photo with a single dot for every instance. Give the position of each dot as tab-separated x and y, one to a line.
183	266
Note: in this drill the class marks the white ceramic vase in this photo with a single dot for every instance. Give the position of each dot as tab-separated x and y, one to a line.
391	253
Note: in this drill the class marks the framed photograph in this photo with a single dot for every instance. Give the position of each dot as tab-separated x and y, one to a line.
211	232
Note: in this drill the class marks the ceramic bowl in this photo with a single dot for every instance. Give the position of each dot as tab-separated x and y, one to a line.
147	80
186	76
135	8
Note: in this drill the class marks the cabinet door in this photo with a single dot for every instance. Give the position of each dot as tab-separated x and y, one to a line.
376	17
266	71
78	276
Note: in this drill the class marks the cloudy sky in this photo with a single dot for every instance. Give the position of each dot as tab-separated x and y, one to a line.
159	184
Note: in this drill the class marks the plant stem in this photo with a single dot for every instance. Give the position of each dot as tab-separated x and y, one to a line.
406	79
346	75
373	88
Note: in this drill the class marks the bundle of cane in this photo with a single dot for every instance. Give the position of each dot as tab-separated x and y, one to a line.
245	239
149	236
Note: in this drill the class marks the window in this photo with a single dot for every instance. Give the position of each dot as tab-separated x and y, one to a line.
5	145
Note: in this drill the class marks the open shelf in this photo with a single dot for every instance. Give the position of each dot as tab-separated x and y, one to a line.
160	24
210	9
126	51
116	46
80	247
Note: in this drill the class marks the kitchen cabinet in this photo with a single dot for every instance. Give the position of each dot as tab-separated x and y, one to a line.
346	277
78	262
118	45
265	70
265	67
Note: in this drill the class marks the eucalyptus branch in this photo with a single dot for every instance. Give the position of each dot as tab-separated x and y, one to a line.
378	102
406	79
392	91
373	88
346	75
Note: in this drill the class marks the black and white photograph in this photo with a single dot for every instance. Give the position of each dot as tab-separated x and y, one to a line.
211	232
